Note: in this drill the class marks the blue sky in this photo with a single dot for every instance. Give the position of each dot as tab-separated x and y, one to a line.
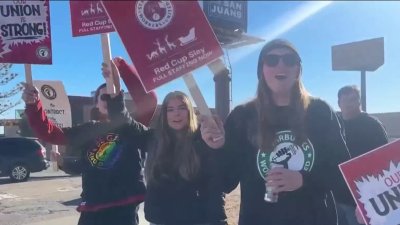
313	27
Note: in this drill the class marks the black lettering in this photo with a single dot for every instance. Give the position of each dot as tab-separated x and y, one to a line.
19	10
385	205
23	30
18	30
393	198
4	31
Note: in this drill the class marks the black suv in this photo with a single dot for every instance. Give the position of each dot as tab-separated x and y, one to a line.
19	156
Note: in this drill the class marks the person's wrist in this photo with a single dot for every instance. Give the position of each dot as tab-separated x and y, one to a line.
116	94
33	102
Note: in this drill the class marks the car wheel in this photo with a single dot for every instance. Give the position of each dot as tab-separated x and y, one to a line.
19	173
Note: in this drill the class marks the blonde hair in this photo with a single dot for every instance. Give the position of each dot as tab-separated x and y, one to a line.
169	153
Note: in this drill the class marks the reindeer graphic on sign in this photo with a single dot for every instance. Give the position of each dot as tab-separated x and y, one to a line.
162	50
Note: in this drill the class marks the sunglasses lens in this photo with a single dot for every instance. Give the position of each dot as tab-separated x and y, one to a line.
290	60
271	60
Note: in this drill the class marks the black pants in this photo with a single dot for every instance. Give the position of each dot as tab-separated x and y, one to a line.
122	215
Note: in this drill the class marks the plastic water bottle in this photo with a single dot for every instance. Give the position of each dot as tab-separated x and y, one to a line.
270	195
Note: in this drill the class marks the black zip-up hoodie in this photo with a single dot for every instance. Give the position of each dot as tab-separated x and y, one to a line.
317	160
110	160
178	201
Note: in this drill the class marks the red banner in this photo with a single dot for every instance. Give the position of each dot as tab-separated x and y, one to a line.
25	32
165	39
89	17
374	181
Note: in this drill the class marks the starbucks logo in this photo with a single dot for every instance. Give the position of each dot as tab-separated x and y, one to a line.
43	52
48	92
154	15
286	153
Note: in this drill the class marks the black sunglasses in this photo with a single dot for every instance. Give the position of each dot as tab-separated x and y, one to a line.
104	97
288	60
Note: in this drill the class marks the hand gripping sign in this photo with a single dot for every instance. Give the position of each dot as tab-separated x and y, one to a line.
55	102
374	181
87	18
165	40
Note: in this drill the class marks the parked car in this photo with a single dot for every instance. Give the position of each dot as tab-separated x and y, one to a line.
20	156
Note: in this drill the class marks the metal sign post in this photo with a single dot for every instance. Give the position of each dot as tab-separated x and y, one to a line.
367	55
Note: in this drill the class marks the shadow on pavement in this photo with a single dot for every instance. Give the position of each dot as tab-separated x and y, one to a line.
48	177
74	202
5	180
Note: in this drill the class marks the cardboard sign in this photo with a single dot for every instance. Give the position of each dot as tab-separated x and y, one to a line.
25	32
165	39
55	102
89	17
374	181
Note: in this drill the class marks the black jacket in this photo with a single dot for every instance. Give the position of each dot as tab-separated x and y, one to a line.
317	160
110	160
363	133
178	201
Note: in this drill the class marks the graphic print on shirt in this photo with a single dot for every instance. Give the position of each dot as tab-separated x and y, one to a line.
286	153
106	152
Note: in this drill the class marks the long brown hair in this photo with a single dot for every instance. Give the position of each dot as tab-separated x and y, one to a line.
171	154
266	107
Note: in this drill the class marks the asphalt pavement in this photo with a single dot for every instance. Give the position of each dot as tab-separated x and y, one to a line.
48	198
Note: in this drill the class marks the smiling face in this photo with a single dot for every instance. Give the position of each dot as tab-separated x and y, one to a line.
281	70
177	114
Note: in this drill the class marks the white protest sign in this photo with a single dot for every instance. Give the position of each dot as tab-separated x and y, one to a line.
55	102
25	32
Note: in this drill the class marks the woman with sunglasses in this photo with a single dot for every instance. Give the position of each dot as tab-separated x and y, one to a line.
284	147
112	184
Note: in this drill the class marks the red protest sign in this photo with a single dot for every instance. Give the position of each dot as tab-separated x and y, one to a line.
25	32
374	181
89	17
165	39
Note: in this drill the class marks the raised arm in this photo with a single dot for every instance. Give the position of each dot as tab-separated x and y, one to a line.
145	103
37	118
117	112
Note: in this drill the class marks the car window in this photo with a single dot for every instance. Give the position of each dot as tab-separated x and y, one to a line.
7	147
18	146
29	145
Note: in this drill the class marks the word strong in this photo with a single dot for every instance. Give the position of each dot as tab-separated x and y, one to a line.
21	27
